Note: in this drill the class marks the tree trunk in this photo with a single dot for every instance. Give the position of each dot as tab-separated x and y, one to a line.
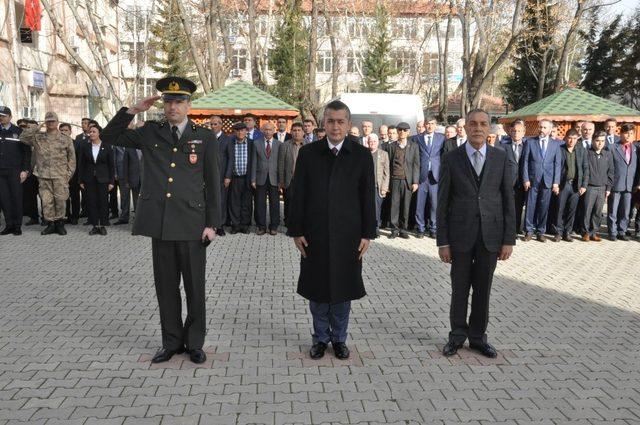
313	51
335	65
186	24
560	80
253	47
542	75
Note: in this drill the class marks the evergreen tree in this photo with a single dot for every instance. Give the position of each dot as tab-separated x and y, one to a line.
289	60
534	58
602	62
377	67
628	87
170	42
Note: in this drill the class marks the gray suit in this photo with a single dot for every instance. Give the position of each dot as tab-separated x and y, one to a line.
476	217
286	167
264	173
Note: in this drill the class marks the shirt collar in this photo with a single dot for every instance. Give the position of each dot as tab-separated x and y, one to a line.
181	126
219	134
338	146
471	150
7	127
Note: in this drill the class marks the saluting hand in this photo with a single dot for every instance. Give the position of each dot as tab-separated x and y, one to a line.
143	105
301	244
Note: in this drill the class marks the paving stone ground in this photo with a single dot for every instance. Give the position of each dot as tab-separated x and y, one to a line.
79	322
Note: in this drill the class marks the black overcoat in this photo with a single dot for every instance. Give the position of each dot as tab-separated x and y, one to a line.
333	207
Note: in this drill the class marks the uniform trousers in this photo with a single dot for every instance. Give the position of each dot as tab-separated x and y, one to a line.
173	260
11	196
54	194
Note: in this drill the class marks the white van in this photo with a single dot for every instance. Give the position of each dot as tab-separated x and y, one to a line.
383	108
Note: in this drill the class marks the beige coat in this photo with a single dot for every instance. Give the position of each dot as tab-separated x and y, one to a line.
382	172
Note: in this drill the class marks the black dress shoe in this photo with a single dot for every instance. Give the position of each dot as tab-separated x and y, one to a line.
50	229
17	231
197	356
317	350
113	216
451	348
73	221
164	355
404	235
432	235
613	238
623	238
557	238
542	237
7	231
103	231
245	230
32	222
220	232
120	222
485	349
60	228
273	232
340	350
94	231
233	230
260	232
394	234
420	235
86	223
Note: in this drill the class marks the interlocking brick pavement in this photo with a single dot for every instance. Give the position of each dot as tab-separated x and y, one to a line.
79	323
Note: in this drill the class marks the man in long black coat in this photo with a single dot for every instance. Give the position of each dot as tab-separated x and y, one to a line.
332	219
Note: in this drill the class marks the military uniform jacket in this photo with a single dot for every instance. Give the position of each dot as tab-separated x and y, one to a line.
180	193
54	154
13	154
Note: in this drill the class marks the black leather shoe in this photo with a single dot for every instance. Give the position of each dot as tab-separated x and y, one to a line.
245	230
394	234
613	238
567	238
17	231
197	356
7	231
233	230
432	235
220	232
73	221
485	349
113	216
623	238
60	228
527	237
32	222
103	231
51	228
94	231
86	223
340	350
120	222
164	355
404	235
451	348
542	237
557	238
260	232
420	235
317	350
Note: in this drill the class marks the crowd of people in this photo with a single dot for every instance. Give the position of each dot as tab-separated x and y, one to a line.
560	185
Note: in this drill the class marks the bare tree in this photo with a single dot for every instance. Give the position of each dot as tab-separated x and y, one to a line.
313	58
186	25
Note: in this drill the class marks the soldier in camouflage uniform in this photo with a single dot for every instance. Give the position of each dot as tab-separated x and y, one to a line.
55	162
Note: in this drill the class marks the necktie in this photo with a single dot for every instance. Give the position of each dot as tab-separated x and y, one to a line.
477	162
174	134
517	152
543	146
429	142
268	149
334	151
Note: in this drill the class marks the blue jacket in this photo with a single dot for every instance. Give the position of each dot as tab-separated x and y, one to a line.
430	157
625	176
13	154
538	169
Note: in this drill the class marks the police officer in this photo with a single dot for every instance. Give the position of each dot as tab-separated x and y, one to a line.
14	169
55	163
178	207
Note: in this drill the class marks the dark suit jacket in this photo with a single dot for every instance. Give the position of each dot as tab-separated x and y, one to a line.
625	175
411	161
231	159
102	168
538	169
194	202
333	207
516	166
131	167
582	167
450	145
466	207
223	142
287	136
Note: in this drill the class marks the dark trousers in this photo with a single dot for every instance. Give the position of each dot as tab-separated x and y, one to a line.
519	196
593	203
567	206
113	199
330	321
473	269
379	201
400	198
618	211
578	224
97	202
240	202
262	193
172	260
30	189
537	208
73	203
127	195
11	196
224	203
427	202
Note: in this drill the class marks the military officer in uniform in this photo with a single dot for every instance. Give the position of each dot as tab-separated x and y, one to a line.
178	207
55	163
15	161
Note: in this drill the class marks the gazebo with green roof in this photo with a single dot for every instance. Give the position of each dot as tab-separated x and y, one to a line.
567	107
237	99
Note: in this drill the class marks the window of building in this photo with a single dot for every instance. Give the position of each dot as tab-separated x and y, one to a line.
405	61
35	100
405	28
359	27
239	59
430	64
354	62
325	61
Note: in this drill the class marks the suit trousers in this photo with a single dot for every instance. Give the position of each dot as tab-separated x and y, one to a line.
400	198
330	321
520	197
472	269
113	199
128	194
240	202
618	210
267	190
567	206
11	196
97	202
54	194
427	200
73	203
30	189
379	201
224	204
593	203
537	208
171	261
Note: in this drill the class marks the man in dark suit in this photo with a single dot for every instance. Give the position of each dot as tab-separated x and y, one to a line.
587	129
574	168
215	123
611	127
332	220
541	177
457	141
308	125
476	227
287	158
430	145
264	180
282	135
15	161
128	166
514	146
237	179
404	165
251	122
626	180
179	208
